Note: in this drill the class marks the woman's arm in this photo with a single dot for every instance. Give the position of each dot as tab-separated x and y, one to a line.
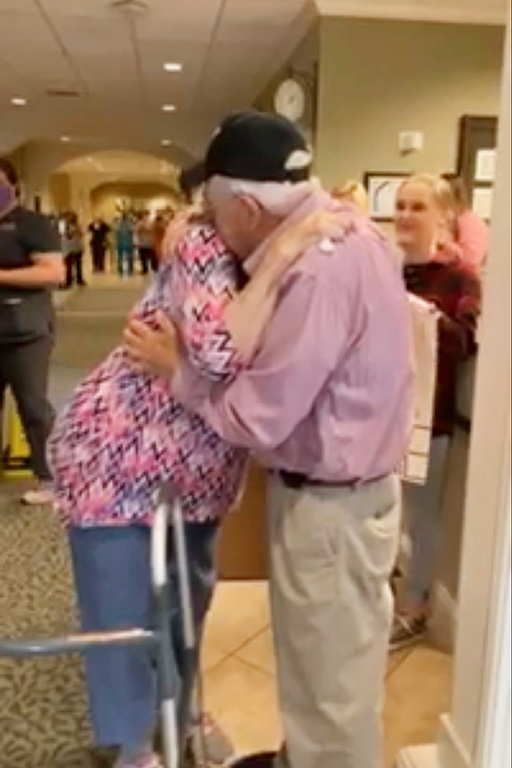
246	317
458	330
219	328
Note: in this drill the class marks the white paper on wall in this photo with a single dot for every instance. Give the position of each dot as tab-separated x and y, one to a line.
485	169
482	202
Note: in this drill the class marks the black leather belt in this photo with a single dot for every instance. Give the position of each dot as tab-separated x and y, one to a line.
296	481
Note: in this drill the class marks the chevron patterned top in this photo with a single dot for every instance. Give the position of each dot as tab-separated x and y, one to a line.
123	434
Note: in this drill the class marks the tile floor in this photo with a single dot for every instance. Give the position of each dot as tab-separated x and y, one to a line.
239	678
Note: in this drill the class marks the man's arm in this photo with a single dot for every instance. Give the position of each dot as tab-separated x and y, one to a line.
47	270
265	403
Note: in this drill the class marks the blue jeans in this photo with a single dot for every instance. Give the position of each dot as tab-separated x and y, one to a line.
112	577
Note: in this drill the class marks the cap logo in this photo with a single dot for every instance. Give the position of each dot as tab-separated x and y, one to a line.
298	160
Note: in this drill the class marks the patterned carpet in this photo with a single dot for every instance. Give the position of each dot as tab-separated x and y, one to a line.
44	720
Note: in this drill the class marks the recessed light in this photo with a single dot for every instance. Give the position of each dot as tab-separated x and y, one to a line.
166	142
65	139
173	66
18	101
168	108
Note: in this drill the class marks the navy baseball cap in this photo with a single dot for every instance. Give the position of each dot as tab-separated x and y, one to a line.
255	146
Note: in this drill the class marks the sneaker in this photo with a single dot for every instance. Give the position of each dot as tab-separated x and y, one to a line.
41	496
150	760
407	631
216	746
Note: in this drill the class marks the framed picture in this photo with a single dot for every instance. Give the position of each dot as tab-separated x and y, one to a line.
476	162
382	189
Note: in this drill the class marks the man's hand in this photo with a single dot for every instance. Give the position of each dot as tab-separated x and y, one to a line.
153	351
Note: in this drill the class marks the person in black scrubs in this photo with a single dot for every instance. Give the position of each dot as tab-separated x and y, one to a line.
31	264
99	232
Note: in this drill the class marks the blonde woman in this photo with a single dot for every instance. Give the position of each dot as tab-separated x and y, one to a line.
354	192
471	233
424	216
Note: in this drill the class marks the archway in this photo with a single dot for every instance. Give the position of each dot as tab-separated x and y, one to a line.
38	161
107	178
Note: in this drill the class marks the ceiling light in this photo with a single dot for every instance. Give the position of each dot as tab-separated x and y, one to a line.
168	108
18	101
173	66
166	142
65	139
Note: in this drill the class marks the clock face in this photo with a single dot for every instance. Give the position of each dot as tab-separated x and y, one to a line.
290	100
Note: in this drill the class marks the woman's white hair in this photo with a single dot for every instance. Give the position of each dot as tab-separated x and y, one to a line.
278	198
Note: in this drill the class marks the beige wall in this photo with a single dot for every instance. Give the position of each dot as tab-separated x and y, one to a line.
380	77
303	65
59	190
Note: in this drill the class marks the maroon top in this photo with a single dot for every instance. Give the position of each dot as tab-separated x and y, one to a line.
455	290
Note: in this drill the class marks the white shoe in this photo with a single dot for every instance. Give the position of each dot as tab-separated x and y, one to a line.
38	497
151	760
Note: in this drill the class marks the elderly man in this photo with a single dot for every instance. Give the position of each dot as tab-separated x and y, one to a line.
326	405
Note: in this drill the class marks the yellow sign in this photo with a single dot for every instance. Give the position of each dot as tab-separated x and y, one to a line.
15	449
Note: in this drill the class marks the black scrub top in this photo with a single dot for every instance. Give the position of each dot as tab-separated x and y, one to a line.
25	313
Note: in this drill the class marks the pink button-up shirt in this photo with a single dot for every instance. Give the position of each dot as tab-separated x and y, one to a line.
330	392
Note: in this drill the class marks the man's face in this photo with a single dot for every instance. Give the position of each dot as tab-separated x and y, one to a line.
237	220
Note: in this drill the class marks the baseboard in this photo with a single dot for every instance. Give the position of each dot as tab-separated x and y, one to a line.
426	756
449	753
452	752
443	625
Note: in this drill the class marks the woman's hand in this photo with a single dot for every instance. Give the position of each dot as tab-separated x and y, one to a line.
290	244
154	351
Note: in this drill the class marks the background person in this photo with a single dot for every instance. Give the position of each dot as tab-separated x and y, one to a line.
145	235
424	209
73	250
471	233
353	192
99	232
30	265
125	245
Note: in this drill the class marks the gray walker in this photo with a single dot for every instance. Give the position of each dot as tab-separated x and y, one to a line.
168	515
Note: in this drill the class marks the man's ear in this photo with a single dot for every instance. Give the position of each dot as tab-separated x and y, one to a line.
252	211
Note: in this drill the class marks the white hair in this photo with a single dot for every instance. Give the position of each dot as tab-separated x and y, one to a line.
278	198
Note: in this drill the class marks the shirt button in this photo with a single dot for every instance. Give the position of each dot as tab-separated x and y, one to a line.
326	245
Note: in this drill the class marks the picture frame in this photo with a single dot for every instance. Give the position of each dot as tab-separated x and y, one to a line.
382	188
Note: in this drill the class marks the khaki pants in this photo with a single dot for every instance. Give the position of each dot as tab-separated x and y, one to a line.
332	552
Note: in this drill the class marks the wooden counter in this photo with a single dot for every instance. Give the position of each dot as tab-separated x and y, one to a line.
243	546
